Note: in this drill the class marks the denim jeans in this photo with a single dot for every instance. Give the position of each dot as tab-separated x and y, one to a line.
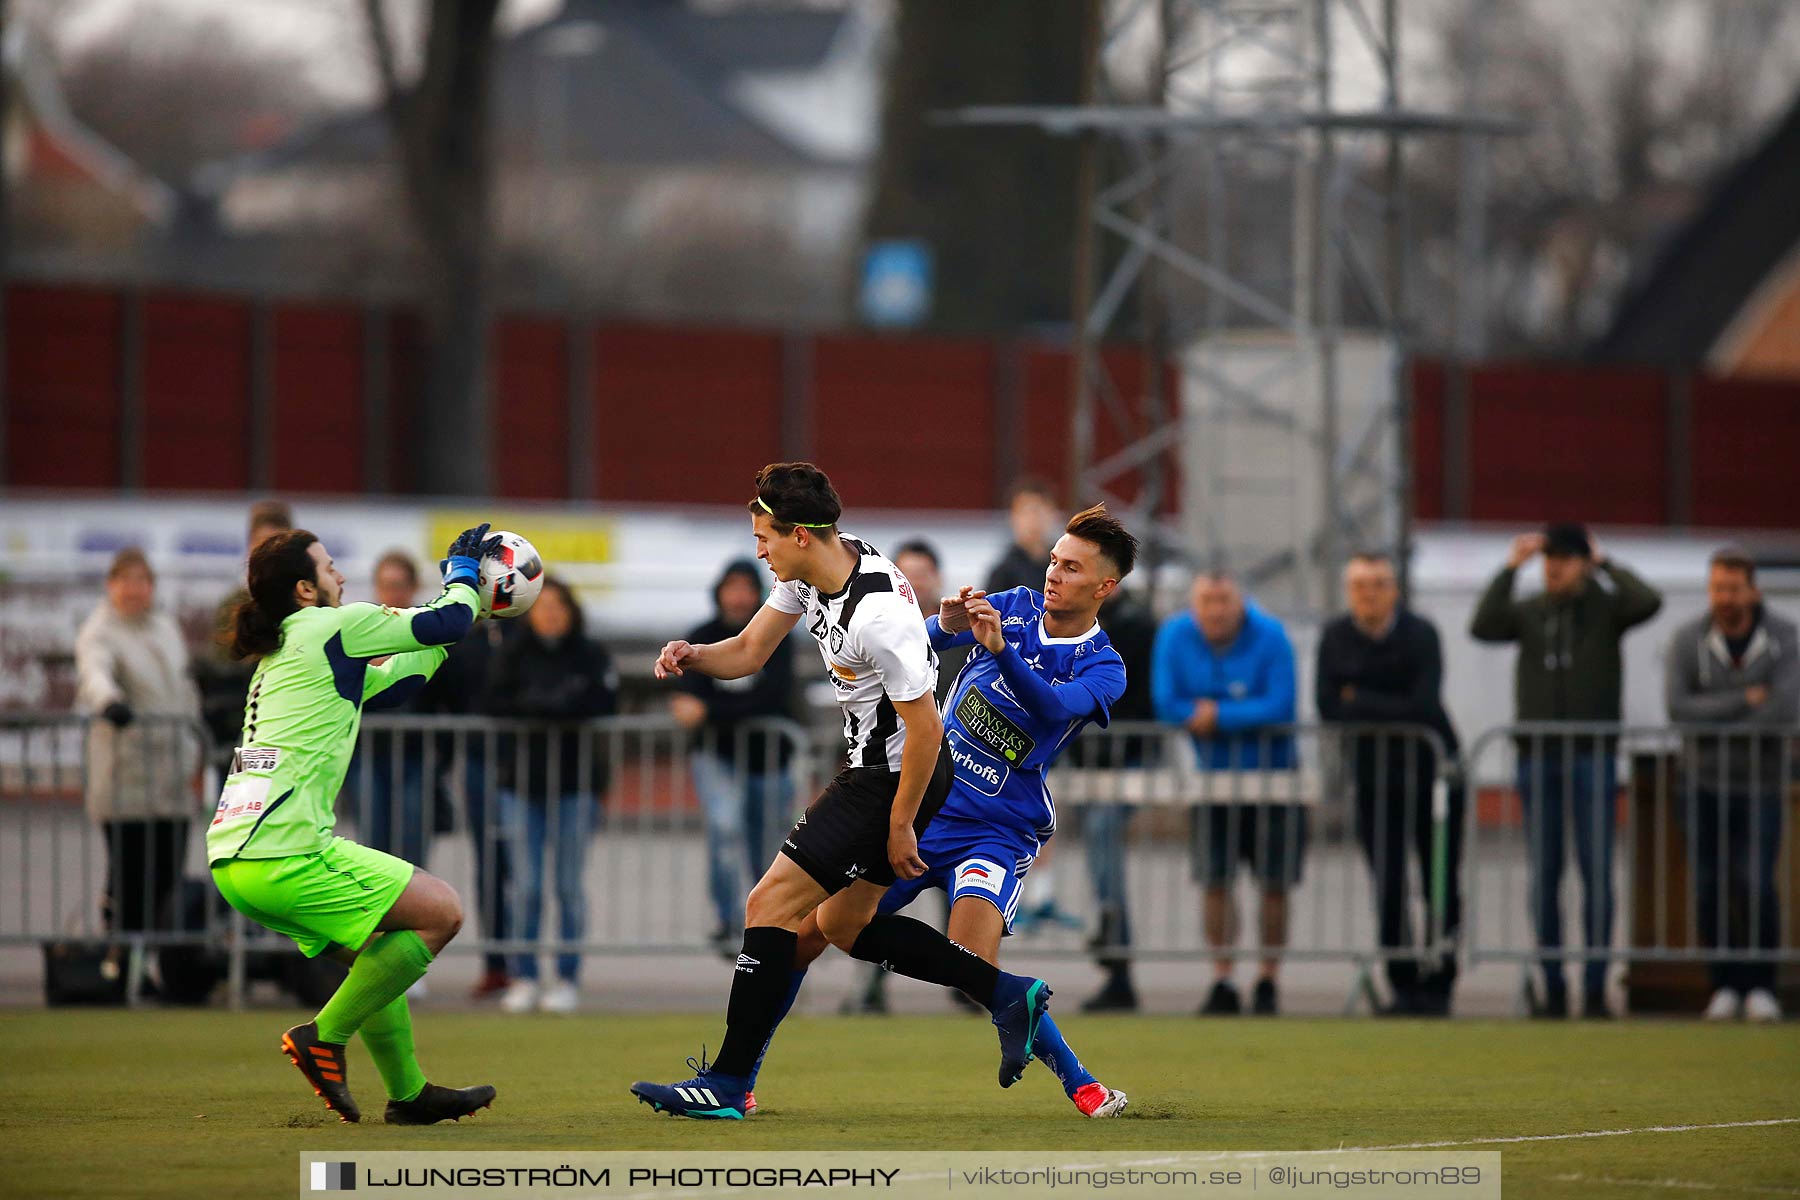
492	857
394	801
1733	843
746	818
1586	785
1103	830
567	824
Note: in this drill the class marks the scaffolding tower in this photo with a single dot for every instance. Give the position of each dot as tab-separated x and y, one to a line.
1287	426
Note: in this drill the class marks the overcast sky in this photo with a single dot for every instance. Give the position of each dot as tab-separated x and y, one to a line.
326	34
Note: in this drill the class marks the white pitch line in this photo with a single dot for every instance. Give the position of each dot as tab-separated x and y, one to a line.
1681	1185
1591	1133
1494	1141
1189	1156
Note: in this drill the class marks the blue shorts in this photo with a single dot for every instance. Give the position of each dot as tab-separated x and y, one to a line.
969	860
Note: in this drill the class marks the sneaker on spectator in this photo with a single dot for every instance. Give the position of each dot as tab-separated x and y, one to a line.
1760	1005
491	983
725	941
1726	1005
1262	1000
872	1000
1404	1004
560	997
521	996
1550	1004
1117	996
1431	1002
1222	1001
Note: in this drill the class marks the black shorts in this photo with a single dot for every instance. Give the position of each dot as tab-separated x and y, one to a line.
1270	837
843	835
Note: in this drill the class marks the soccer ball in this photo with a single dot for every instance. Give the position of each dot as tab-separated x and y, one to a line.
511	577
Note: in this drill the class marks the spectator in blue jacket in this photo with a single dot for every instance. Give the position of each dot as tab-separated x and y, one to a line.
1224	670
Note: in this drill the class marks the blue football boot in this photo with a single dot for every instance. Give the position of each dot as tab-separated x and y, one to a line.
1020	1002
708	1096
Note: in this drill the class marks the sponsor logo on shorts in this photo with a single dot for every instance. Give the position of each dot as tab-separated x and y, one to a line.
981	874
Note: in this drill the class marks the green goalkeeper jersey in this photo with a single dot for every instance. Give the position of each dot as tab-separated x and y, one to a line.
305	707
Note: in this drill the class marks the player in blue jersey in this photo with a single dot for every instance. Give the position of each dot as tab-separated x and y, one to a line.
1041	671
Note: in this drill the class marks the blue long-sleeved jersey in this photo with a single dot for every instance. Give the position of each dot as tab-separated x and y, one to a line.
1009	715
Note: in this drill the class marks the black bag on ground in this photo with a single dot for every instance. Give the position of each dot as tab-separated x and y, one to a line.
190	973
83	972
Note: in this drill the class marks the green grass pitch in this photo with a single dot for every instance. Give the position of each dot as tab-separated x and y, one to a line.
197	1104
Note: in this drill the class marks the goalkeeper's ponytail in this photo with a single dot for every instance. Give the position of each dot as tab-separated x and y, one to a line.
278	563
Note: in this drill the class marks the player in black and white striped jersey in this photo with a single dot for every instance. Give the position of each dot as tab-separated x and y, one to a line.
861	834
868	634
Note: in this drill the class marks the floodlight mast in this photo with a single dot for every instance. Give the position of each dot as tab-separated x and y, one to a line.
1280	479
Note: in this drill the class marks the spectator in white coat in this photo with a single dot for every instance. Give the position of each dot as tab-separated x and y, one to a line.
143	749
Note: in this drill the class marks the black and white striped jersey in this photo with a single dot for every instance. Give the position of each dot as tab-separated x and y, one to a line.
872	638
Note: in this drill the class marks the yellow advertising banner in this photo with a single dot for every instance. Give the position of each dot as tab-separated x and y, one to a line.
561	539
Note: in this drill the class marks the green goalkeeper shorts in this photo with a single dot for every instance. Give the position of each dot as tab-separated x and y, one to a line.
334	896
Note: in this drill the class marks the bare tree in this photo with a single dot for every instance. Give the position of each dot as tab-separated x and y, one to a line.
996	205
440	124
1635	105
174	90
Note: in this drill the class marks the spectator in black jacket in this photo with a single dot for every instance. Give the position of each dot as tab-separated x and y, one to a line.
554	675
918	561
1381	664
1131	626
740	776
224	681
459	689
388	772
1035	524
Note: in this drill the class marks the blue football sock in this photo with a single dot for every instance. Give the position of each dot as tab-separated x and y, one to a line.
797	978
1050	1046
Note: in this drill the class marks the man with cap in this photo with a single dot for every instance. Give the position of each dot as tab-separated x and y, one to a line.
1569	669
740	776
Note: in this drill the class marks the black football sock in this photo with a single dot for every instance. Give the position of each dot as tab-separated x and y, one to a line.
918	951
758	987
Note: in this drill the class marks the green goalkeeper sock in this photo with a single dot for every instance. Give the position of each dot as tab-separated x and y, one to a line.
389	1037
380	975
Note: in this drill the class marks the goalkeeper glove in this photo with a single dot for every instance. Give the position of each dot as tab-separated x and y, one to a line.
462	562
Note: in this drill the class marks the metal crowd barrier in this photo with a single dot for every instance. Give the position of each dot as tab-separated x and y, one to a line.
1677	840
606	818
100	838
626	797
1348	827
1363	829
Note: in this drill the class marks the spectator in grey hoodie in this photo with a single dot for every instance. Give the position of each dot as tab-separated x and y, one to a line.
1736	667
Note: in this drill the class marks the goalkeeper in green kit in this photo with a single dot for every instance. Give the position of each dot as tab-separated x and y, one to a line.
273	854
